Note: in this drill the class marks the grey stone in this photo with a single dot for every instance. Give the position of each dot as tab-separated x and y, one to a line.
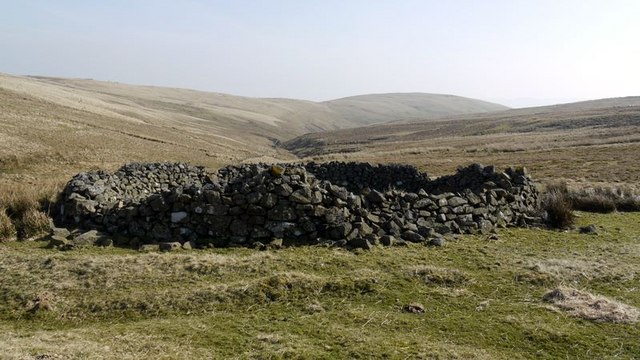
339	192
473	198
56	240
259	245
387	240
261	233
316	197
160	232
415	308
86	239
86	206
60	232
169	246
340	231
158	204
275	243
149	248
189	245
238	228
178	216
438	241
589	229
104	242
282	213
269	200
485	226
279	228
301	196
363	228
284	190
253	198
376	197
456	201
354	233
412	236
360	243
423	203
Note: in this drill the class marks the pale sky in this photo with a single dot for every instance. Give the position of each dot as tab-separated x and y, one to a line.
514	52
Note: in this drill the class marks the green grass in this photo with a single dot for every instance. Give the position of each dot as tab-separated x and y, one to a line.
482	299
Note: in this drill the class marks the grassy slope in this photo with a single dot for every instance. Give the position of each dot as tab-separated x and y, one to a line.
377	108
575	141
116	303
60	126
324	303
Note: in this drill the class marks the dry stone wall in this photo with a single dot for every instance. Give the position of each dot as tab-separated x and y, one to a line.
253	205
358	176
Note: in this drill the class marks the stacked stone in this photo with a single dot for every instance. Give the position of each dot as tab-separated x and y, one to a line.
251	205
358	176
88	196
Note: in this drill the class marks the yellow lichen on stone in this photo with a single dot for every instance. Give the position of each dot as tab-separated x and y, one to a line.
277	170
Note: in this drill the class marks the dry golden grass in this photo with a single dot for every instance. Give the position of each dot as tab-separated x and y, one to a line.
587	306
26	208
309	302
433	275
606	198
7	228
583	146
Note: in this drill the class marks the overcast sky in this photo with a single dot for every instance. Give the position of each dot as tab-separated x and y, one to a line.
514	52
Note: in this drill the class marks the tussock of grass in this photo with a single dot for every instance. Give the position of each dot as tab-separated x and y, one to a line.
27	208
534	277
216	264
557	206
7	229
591	307
593	203
33	223
606	199
577	270
432	275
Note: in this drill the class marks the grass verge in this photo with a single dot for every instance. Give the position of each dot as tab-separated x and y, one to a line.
482	299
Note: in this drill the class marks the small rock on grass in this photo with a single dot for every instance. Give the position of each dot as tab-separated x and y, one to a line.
589	229
412	236
60	232
57	241
493	237
105	242
439	241
275	244
149	247
170	246
414	307
387	240
360	243
88	238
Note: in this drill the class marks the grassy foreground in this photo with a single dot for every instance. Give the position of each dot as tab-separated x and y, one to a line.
482	299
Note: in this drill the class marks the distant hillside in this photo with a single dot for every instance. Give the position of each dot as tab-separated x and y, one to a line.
382	108
81	121
599	121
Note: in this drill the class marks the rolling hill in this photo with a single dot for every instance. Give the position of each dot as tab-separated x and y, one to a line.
594	140
81	122
382	108
61	126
